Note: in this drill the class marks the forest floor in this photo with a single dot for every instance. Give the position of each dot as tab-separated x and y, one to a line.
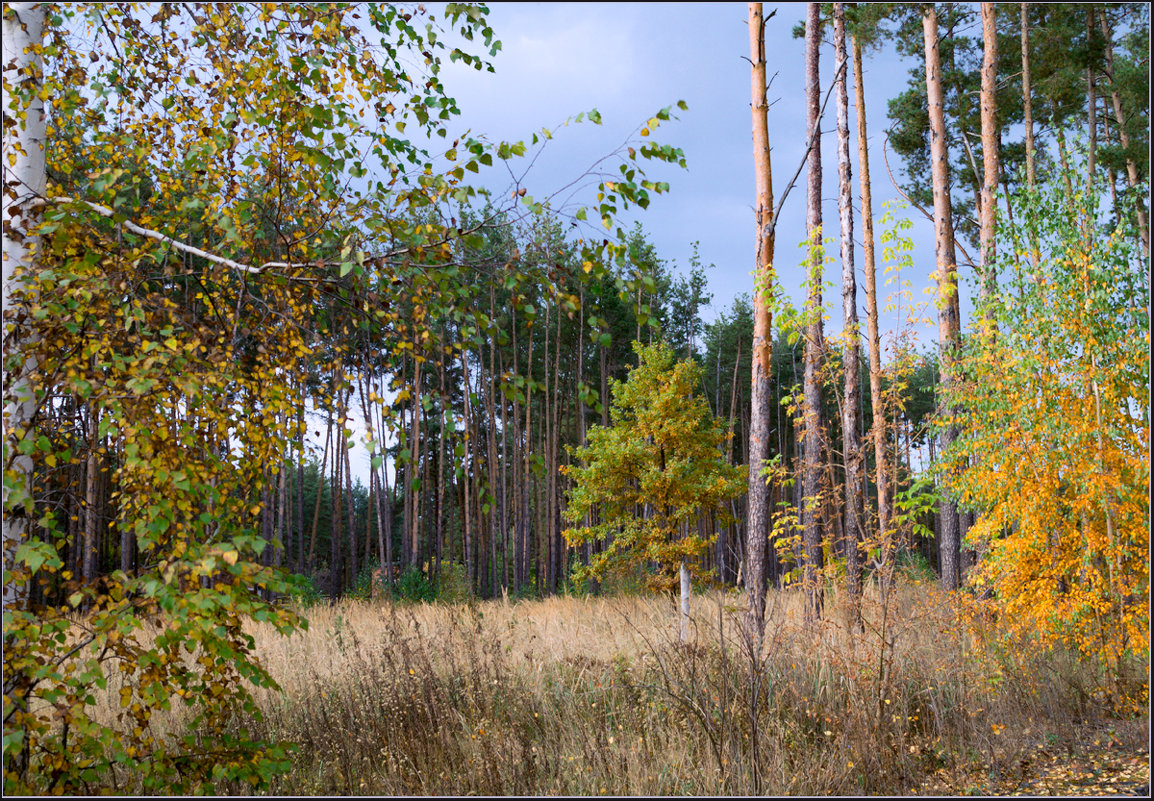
1103	760
588	696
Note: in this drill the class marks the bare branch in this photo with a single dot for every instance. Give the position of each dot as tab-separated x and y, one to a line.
104	211
885	157
808	147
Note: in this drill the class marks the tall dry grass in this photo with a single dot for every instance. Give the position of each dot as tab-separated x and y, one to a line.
585	696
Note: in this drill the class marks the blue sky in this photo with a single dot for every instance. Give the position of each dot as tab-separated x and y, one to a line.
630	59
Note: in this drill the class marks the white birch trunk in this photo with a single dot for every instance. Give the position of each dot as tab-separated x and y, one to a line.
685	586
24	181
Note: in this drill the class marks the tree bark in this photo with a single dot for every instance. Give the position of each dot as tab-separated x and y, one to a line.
283	522
496	466
1027	99
439	498
734	527
878	430
559	548
336	583
91	528
814	340
350	500
757	516
990	169
685	593
470	469
851	446
25	179
1091	103
320	492
412	468
1124	138
946	276
1028	112
387	512
299	555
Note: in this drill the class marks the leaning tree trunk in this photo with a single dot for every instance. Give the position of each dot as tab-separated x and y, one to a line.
811	505
1124	137
851	446
947	280
757	525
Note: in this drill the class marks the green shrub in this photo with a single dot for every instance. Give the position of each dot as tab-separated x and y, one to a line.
307	591
453	583
413	586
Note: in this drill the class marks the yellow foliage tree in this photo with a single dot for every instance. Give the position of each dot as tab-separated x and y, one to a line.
1055	447
652	473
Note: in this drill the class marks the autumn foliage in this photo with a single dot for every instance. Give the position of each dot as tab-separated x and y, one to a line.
1055	451
648	477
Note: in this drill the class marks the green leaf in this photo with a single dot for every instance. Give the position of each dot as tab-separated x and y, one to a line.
36	554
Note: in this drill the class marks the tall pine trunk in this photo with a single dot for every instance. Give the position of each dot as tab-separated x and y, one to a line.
851	404
1028	115
1091	103
814	340
947	280
990	168
757	531
1123	137
1027	99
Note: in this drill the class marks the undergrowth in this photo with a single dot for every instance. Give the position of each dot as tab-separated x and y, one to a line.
581	696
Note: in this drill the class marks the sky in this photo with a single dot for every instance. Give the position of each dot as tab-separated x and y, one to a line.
628	60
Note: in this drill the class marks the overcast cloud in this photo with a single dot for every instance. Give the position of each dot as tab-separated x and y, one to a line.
630	59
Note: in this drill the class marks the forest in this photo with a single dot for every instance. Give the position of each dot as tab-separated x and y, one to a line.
610	538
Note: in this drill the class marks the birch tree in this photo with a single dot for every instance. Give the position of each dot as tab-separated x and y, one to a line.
25	130
878	427
162	278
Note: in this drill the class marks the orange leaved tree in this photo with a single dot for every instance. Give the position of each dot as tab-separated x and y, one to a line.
1054	449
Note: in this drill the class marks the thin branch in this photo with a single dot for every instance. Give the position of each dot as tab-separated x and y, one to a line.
805	156
104	211
885	157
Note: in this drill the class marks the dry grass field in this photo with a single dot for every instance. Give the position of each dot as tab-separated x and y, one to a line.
590	696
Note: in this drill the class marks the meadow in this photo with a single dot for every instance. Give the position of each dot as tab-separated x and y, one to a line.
594	695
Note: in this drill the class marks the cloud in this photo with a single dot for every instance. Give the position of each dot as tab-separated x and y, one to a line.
551	66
